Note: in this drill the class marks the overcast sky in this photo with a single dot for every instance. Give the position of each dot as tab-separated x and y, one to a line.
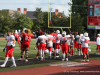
31	5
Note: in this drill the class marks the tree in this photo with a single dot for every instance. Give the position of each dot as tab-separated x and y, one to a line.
38	23
77	23
5	21
23	22
45	19
16	14
80	7
56	21
59	20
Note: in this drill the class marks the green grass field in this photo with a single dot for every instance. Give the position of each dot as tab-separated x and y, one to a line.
32	54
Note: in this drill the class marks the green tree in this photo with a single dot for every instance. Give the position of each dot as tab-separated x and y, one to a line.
23	22
80	7
16	14
38	23
77	23
59	20
5	22
56	21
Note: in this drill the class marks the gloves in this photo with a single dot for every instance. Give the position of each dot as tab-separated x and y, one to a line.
4	50
11	46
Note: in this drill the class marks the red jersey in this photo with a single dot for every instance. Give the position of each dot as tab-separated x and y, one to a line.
54	37
17	37
27	38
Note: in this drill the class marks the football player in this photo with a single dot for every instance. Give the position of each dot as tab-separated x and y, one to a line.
10	47
63	41
85	45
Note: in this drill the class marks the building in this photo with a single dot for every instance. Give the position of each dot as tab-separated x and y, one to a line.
11	12
28	13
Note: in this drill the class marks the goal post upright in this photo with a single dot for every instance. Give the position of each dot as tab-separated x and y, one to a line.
49	16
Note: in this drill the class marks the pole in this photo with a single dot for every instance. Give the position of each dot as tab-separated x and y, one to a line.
50	10
61	29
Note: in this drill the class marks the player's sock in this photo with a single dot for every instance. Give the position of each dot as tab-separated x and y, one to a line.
6	59
81	53
78	52
50	54
56	51
64	56
41	53
13	60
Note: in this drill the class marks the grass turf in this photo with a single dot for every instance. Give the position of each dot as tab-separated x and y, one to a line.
32	54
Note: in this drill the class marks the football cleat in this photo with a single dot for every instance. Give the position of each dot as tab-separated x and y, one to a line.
42	59
62	59
3	65
57	56
26	60
87	60
82	60
13	65
21	59
36	57
66	59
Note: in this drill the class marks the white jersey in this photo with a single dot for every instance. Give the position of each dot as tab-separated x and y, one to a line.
85	41
68	41
7	38
63	38
58	38
42	39
98	41
50	40
10	40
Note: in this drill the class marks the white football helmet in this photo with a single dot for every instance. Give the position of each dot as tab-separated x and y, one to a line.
68	36
58	31
16	31
24	30
99	35
81	34
77	36
85	34
19	31
64	32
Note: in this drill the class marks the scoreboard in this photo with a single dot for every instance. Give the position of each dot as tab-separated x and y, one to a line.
93	18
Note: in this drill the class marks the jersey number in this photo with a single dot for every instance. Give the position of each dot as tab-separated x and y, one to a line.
64	39
28	38
58	37
51	38
87	41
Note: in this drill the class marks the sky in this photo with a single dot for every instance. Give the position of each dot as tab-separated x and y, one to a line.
31	5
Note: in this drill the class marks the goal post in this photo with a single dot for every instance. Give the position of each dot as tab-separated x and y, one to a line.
50	22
